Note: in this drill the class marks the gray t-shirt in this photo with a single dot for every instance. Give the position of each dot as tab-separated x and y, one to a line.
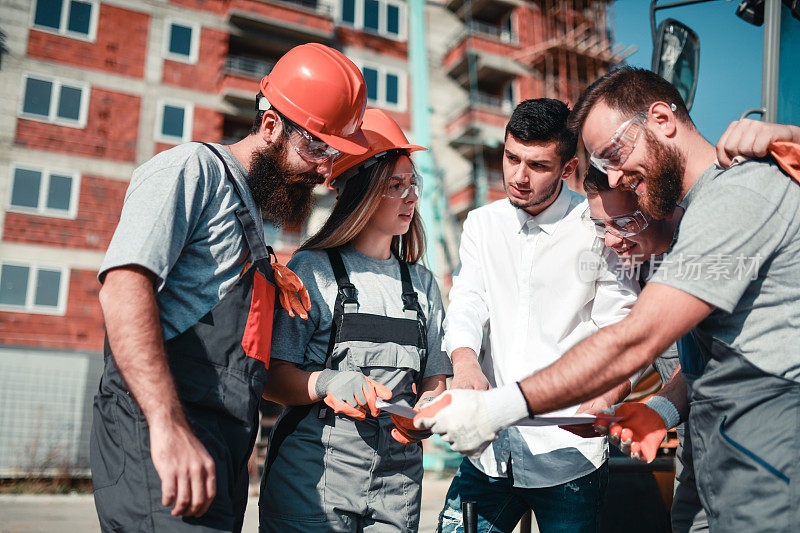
179	222
305	342
738	248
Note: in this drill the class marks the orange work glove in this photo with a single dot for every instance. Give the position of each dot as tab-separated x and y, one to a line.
350	393
640	432
404	431
292	294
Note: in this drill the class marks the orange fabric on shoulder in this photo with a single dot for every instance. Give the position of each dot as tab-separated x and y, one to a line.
787	155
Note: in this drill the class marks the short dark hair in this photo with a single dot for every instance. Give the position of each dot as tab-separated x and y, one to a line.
627	90
595	182
543	120
259	118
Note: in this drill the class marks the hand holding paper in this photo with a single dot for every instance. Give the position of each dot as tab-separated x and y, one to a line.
470	420
638	430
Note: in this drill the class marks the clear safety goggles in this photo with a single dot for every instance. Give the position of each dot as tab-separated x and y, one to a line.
622	225
613	154
401	185
306	145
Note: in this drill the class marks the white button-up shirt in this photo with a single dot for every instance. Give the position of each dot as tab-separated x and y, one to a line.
542	284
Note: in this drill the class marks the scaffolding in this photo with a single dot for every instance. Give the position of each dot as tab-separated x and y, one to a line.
517	49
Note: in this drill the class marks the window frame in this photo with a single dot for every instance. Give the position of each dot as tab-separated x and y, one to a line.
383	16
194	44
62	26
41	209
30	292
188	121
402	85
51	117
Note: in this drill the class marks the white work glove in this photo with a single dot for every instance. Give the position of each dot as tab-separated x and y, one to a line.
470	420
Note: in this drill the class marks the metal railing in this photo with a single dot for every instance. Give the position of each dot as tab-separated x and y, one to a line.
490	100
492	30
248	66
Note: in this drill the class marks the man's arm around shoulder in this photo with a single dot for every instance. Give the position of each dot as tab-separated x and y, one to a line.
661	316
134	333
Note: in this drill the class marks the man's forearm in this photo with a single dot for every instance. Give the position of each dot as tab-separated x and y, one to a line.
613	396
289	385
595	365
674	390
134	334
464	357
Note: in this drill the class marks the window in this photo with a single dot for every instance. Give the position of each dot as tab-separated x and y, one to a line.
54	100
349	12
181	41
385	87
43	192
33	288
174	124
383	17
71	18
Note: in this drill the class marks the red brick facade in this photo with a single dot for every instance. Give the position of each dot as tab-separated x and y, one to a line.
111	130
81	329
205	74
303	18
120	46
218	7
99	205
368	41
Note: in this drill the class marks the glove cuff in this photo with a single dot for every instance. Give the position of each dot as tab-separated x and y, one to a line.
505	405
323	380
666	410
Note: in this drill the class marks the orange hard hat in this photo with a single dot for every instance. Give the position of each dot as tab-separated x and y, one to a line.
383	135
322	91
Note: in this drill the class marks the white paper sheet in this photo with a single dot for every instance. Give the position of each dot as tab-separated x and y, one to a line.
404	410
551	420
400	409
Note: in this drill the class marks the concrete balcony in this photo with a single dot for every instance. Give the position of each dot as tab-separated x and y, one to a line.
493	59
275	20
247	67
480	124
462	200
485	9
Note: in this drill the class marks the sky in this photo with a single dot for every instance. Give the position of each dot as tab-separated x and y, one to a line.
729	79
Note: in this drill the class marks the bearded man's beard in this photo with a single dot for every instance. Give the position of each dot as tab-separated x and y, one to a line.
664	169
285	198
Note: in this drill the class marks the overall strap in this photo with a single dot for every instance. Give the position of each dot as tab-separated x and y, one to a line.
413	310
346	298
411	306
252	234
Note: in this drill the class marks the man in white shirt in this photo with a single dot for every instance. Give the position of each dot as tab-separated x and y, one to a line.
534	270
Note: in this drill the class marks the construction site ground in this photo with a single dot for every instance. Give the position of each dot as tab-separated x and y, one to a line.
75	513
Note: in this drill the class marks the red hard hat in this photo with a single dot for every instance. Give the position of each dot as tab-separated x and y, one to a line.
383	134
322	91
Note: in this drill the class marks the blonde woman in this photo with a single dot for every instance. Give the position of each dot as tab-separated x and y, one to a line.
335	462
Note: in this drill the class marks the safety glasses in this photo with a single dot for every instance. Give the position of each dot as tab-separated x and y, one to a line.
306	145
613	154
622	225
401	185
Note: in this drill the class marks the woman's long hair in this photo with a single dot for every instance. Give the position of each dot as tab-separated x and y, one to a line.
355	206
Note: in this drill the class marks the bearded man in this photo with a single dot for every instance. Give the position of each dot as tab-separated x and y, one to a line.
188	298
732	274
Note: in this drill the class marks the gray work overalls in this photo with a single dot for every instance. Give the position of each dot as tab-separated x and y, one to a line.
328	472
219	369
745	431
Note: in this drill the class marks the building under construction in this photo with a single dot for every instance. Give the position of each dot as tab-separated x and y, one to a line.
94	88
502	52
